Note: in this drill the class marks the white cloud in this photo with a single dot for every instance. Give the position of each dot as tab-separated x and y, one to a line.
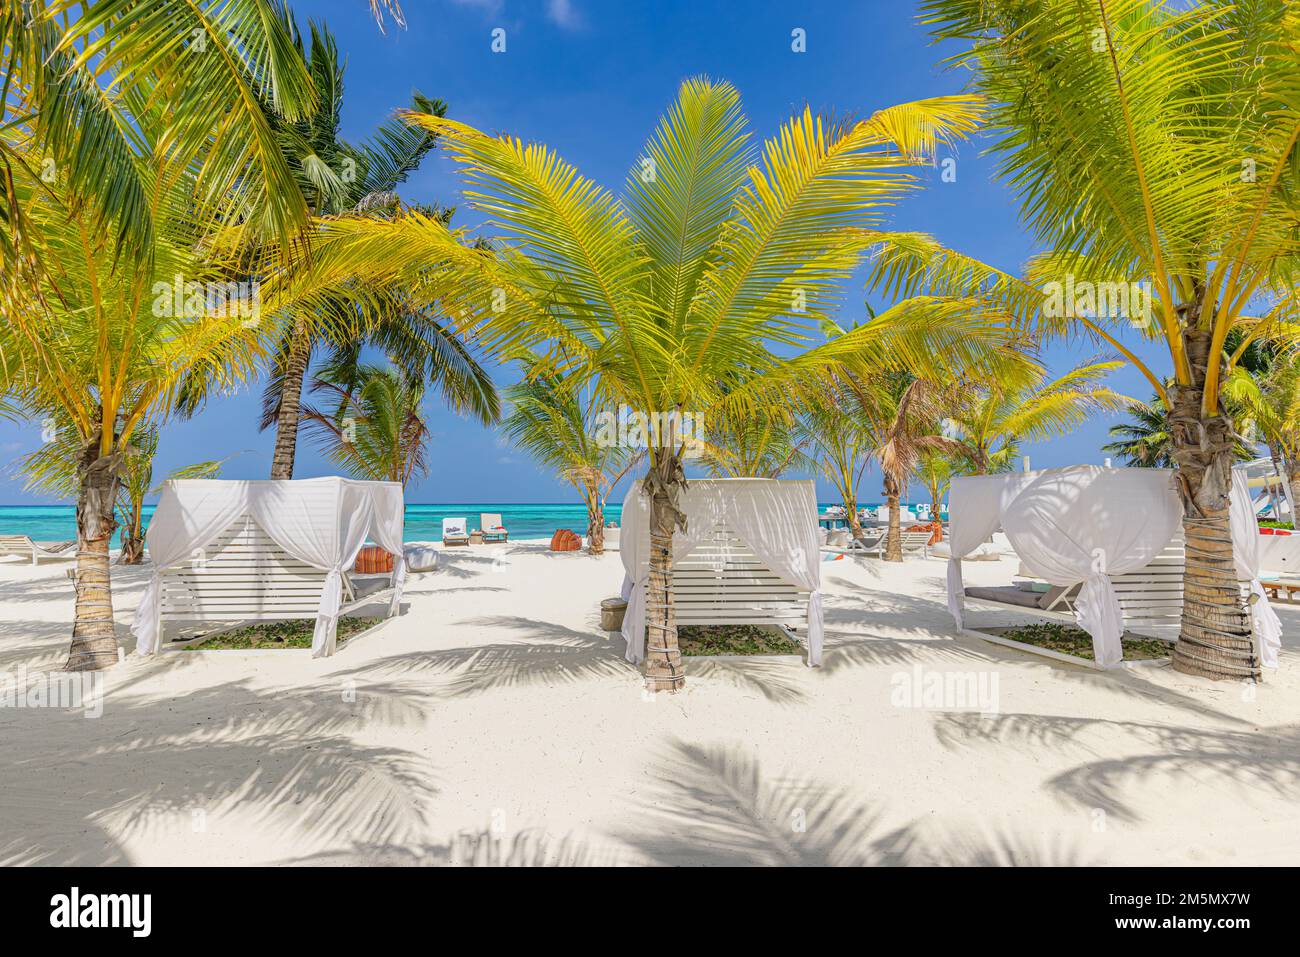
563	14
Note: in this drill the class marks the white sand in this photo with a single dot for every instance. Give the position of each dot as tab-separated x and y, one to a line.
495	722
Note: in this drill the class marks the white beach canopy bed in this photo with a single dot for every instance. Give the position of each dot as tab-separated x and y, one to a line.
1115	531
264	551
24	545
749	555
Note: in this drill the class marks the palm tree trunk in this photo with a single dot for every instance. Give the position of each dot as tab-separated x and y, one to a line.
1216	638
290	411
1293	477
893	545
595	523
1274	493
94	641
663	665
935	509
133	539
132	550
851	513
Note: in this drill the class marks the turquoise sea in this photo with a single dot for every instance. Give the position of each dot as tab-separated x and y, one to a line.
423	522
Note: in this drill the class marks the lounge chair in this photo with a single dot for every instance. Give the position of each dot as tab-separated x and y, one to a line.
871	538
918	541
1282	589
243	575
490	525
23	545
454	531
1056	598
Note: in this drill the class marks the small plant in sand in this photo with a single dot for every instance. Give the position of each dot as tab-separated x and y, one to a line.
279	634
705	640
1070	640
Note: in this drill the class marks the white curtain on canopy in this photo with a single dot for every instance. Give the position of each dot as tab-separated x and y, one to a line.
323	522
1086	523
1246	551
776	518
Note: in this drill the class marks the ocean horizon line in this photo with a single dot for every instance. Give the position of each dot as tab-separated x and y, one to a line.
423	520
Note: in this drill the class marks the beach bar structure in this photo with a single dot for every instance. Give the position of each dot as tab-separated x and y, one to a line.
235	551
749	555
1116	533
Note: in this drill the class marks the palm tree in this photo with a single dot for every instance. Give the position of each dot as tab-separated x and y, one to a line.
549	419
137	484
899	414
935	470
89	95
1019	404
379	7
1257	360
1150	143
338	178
53	469
754	443
376	428
1148	442
837	445
1144	442
716	260
132	131
89	344
1273	406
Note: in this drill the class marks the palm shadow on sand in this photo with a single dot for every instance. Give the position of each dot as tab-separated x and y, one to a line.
270	758
1260	759
716	805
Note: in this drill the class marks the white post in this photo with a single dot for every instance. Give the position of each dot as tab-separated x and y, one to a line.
1026	463
1107	463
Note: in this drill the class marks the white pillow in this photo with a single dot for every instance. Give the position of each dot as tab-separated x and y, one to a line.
421	558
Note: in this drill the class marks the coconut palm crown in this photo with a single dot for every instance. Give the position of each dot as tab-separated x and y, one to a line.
717	258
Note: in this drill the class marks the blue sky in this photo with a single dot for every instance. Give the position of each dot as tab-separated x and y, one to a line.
591	79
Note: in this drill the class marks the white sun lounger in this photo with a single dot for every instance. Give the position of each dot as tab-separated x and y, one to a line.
871	538
243	576
909	541
722	582
23	545
1150	598
1057	598
454	531
490	525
